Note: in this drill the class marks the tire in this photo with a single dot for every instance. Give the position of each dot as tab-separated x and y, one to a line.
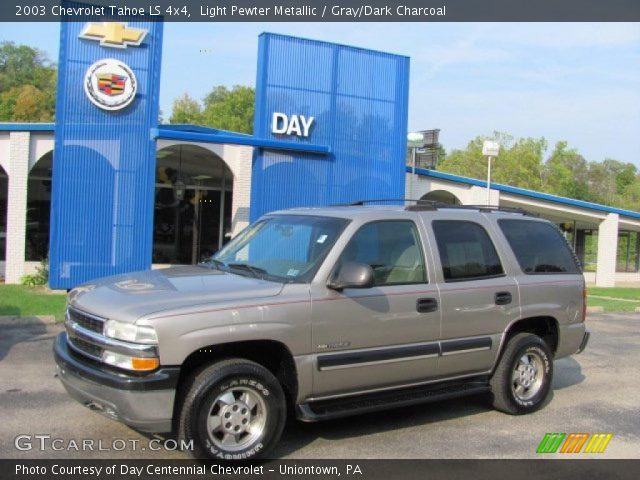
518	387
224	399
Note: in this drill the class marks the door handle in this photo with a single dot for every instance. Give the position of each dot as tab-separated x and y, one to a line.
426	305
503	298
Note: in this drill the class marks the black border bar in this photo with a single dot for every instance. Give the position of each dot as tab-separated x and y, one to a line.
330	11
522	469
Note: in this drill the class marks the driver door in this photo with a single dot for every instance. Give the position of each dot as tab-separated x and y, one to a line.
380	336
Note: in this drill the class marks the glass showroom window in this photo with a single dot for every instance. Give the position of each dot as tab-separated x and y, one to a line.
38	209
4	184
193	196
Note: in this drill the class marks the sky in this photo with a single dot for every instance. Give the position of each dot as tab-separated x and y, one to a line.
578	82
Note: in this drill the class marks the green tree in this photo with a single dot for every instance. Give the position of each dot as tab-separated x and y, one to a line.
468	162
624	173
566	173
226	109
631	197
27	84
186	110
611	181
519	162
230	109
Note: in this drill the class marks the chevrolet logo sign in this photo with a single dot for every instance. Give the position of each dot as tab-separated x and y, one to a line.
114	34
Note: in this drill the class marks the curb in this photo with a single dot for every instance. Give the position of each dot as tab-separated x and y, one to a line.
13	321
595	309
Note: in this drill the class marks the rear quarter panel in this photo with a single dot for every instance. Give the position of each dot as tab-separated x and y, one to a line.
557	296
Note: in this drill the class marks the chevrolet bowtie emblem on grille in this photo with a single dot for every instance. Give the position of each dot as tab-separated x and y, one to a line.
114	34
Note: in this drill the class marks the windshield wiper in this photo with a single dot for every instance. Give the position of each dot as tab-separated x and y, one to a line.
213	263
220	265
257	272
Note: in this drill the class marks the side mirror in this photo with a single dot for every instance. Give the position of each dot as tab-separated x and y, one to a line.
352	275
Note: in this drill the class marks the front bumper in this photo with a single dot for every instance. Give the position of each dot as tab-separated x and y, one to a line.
143	402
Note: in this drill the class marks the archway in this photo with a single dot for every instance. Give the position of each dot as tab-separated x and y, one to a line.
442	196
193	200
38	209
4	187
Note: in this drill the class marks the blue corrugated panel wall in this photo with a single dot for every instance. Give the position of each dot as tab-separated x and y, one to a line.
104	164
359	100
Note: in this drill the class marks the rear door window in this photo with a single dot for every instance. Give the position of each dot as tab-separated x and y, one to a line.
466	251
539	247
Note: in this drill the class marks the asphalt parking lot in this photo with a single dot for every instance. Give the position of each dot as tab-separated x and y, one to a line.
596	391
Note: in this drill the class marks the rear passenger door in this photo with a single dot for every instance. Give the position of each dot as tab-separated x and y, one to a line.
478	298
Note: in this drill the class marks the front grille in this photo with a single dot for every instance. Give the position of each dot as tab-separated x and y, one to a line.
85	320
85	347
85	337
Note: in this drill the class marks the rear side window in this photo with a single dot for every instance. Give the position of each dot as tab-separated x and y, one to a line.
466	251
539	247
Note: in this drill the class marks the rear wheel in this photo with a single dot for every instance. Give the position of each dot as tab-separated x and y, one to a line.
234	409
522	380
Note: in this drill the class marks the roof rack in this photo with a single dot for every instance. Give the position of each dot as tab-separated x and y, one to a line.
360	203
421	205
481	208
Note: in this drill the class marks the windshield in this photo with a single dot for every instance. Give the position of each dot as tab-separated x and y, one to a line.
286	248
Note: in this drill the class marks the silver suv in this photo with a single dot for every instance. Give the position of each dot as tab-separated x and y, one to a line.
328	312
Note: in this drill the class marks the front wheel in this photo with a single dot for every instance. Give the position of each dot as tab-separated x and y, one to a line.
234	410
522	379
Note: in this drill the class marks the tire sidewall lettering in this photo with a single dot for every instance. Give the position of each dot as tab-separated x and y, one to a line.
246	382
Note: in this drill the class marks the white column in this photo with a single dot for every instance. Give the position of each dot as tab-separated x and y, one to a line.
17	205
239	158
416	186
607	251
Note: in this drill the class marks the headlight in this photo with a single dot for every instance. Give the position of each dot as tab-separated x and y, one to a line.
130	332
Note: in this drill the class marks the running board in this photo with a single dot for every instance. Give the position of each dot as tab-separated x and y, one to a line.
358	404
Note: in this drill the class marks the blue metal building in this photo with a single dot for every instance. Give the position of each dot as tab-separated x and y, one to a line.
324	114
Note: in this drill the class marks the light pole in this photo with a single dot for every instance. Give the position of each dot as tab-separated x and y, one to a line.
490	149
425	143
413	137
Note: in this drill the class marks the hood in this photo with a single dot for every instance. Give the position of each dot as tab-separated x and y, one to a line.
128	297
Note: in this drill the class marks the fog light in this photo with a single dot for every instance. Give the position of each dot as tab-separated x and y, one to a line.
138	364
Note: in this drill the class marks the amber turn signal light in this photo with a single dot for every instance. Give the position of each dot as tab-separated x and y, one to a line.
144	364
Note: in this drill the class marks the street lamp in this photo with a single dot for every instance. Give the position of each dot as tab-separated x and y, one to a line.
413	137
425	143
490	149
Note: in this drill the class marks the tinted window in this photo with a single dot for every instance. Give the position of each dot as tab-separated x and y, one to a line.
539	247
466	251
393	250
